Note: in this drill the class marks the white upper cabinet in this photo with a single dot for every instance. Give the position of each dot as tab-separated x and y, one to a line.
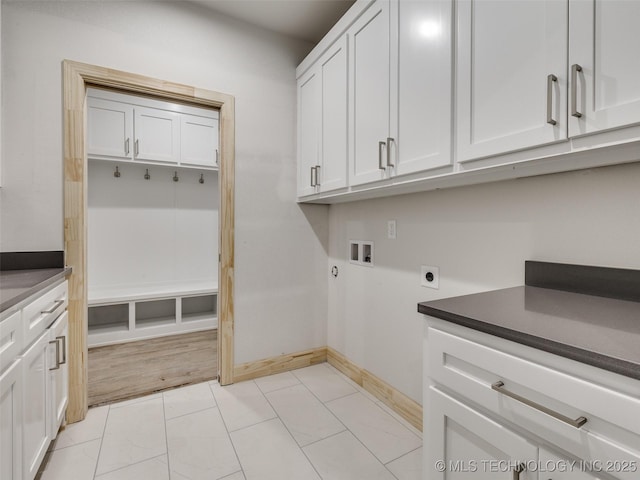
604	67
322	123
109	128
423	93
157	135
511	76
309	115
199	140
145	130
369	94
332	173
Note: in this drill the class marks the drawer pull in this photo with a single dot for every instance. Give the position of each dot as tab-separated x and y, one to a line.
57	343
54	308
64	349
577	423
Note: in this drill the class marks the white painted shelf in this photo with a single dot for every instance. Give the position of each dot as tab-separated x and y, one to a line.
123	314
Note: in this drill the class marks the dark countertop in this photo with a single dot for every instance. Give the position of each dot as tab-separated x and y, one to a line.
17	285
599	331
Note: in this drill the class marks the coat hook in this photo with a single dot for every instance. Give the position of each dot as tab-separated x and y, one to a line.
175	176
116	173
146	175
201	178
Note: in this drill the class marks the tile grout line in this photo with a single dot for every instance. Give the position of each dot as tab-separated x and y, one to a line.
166	436
129	465
104	431
293	438
402	456
235	452
190	413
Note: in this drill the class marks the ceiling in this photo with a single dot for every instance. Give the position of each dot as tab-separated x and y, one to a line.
307	20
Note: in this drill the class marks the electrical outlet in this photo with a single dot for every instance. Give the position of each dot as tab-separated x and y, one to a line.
391	229
430	277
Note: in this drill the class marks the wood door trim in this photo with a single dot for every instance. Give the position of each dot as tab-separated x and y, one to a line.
76	78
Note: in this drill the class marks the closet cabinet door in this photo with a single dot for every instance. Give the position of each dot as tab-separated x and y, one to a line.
470	445
334	152
604	67
369	94
109	129
199	141
309	118
511	75
11	422
424	90
157	135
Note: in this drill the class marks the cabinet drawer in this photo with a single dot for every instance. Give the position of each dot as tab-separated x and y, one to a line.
42	311
11	344
470	369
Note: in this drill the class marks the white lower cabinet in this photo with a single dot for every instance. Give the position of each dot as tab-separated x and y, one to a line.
35	418
11	422
497	409
462	443
34	381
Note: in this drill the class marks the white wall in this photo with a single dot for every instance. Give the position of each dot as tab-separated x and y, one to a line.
480	238
280	302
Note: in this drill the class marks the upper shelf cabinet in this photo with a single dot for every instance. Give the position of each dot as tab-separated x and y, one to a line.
604	72
511	76
130	128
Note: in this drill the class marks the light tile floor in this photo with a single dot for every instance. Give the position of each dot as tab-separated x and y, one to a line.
312	423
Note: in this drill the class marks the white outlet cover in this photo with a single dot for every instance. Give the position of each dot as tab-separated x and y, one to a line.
391	229
435	281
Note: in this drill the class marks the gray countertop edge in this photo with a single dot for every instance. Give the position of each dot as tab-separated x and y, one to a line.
10	302
615	365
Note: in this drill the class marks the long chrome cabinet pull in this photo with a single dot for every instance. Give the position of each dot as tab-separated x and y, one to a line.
311	182
518	470
317	170
551	78
64	349
575	68
126	146
381	145
136	148
54	307
577	423
57	354
389	142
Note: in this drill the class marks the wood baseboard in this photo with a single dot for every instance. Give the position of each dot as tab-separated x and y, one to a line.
404	406
279	364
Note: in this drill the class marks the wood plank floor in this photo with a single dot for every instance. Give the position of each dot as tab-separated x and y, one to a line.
129	370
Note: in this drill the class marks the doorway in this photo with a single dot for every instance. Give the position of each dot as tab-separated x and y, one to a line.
76	79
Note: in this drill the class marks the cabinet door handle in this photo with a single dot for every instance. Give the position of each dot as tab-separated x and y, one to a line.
317	181
381	145
518	470
126	146
63	339
389	142
217	158
136	148
56	304
57	343
311	182
575	68
577	423
551	78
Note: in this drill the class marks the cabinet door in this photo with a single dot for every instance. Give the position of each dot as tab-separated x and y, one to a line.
369	94
199	141
11	422
36	428
334	152
109	129
309	117
58	372
157	135
470	445
423	139
604	67
506	52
